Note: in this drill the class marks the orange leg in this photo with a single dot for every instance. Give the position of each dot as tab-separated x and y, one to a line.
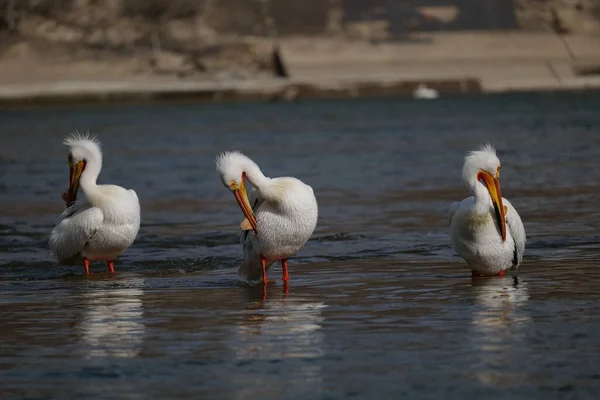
501	272
286	277
86	265
286	288
263	264
111	266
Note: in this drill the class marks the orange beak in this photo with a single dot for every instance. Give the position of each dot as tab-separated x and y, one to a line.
242	198
75	171
493	186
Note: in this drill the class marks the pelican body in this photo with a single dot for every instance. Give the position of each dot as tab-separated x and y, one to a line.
280	215
101	225
485	229
424	92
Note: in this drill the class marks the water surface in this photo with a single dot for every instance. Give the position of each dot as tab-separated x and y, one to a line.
379	304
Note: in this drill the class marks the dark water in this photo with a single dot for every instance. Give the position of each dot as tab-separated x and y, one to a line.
379	305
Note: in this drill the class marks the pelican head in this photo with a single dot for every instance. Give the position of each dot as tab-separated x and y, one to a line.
234	168
85	154
482	171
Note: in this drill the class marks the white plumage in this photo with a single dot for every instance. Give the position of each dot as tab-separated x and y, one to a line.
485	229
102	224
281	214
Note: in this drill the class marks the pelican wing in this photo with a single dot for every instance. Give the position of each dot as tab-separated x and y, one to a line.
255	199
79	224
453	207
517	231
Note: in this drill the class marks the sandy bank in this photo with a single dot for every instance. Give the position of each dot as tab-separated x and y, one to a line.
322	68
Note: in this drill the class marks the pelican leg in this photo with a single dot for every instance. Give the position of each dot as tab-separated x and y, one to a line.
86	265
111	267
263	264
501	272
284	266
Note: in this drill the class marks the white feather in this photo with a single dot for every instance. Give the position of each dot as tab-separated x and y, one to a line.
70	236
474	231
106	218
286	214
86	139
451	210
516	229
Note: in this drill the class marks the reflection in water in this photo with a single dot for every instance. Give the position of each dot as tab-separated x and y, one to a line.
498	328
112	325
282	329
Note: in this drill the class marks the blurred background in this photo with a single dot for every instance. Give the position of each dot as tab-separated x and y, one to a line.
322	47
379	302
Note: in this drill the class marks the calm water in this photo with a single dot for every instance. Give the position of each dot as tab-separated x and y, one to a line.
379	305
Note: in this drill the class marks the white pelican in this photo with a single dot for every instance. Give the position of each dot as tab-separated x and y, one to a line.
486	230
424	92
282	217
105	223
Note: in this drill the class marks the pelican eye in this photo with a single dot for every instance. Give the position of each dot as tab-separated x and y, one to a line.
498	171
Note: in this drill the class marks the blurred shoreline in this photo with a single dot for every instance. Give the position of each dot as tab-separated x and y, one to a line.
319	67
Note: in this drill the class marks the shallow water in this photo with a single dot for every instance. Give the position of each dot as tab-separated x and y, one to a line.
379	304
